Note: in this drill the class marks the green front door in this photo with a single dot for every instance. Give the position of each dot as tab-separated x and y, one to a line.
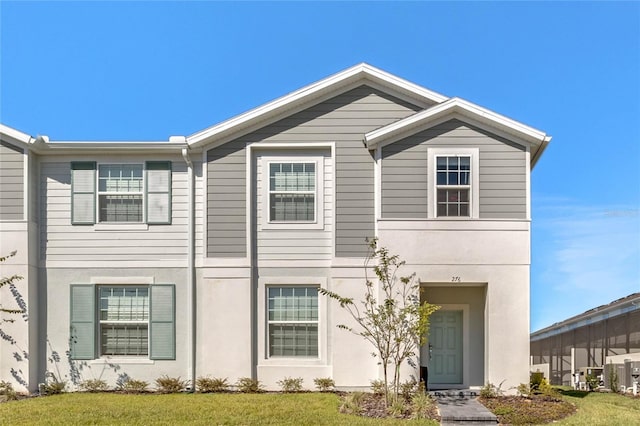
445	347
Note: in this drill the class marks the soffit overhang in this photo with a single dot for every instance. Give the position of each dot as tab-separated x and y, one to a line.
533	139
361	74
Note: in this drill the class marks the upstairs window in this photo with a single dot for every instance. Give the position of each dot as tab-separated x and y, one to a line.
121	193
453	186
292	192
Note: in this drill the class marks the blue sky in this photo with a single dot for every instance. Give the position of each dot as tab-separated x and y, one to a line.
145	71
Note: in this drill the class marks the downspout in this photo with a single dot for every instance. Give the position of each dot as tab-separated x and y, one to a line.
191	282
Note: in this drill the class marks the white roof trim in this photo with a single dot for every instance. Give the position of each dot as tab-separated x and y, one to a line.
424	119
10	134
360	73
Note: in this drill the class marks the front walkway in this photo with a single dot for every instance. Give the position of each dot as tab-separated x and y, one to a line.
460	407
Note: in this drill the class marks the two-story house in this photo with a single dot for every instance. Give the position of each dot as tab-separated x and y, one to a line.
203	255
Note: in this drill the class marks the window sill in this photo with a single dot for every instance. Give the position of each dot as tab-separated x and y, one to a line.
289	361
121	227
123	360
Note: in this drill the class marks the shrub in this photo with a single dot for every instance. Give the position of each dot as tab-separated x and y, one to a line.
207	384
291	384
592	381
249	385
54	387
6	389
134	386
94	385
378	387
397	407
491	391
324	384
535	379
408	388
168	384
352	403
524	390
612	378
547	390
421	405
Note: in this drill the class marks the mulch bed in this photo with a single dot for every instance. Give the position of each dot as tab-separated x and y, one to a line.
535	410
373	406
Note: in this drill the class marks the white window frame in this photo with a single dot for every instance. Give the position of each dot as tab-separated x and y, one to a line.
474	181
269	322
101	322
142	193
318	222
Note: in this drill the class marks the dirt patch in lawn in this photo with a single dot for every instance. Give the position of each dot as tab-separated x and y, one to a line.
518	410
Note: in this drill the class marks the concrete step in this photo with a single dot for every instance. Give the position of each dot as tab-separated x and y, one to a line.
460	407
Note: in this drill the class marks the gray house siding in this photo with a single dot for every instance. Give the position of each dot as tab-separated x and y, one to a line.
60	240
502	172
226	200
11	182
342	120
293	244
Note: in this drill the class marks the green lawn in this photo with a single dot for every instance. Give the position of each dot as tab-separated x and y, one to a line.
604	409
205	409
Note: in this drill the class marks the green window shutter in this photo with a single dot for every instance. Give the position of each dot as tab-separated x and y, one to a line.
83	193
158	192
82	342
162	324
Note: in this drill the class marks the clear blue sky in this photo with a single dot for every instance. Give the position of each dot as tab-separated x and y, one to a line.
145	71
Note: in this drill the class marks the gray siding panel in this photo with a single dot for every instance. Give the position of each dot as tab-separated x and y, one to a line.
342	120
11	182
502	172
227	201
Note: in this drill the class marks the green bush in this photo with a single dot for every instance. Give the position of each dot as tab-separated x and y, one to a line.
166	384
408	389
215	384
491	391
421	404
94	385
378	387
352	403
324	384
134	386
612	378
54	387
524	390
6	389
397	408
535	379
291	384
249	385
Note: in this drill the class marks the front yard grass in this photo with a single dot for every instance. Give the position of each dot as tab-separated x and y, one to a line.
595	408
575	408
205	409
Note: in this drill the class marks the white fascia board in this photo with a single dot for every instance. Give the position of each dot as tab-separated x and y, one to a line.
351	77
427	118
64	147
14	136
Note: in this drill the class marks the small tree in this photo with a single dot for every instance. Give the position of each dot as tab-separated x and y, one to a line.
391	316
9	281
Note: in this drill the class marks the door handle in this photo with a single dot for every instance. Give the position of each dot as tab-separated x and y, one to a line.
430	350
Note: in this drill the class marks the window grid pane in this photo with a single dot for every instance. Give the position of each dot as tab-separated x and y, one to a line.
453	180
292	192
120	188
293	321
124	316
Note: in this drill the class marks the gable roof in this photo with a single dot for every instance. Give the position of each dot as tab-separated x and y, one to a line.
467	111
314	93
11	135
